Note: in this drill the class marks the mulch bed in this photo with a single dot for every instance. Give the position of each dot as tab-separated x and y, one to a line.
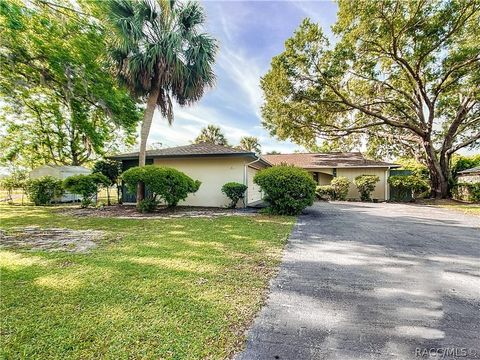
130	211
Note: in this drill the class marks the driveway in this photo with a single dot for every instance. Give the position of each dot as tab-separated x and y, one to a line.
374	281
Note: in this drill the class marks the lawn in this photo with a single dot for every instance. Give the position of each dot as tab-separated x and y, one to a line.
153	289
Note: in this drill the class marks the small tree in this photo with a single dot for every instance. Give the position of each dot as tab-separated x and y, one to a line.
234	191
340	186
211	134
86	185
366	185
112	170
44	190
163	183
16	180
288	189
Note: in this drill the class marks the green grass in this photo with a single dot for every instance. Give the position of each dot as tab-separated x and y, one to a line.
153	289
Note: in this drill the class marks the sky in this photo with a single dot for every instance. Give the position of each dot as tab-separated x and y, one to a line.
249	34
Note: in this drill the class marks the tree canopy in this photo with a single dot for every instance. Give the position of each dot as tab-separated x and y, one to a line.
59	103
403	76
211	134
250	143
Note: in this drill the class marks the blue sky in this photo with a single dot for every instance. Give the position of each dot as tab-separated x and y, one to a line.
249	33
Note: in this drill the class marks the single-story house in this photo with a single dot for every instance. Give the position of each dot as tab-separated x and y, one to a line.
470	175
215	165
325	166
60	172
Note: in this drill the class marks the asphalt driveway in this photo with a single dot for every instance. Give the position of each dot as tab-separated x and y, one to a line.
374	281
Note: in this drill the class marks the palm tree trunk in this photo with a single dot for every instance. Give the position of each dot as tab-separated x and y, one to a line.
144	131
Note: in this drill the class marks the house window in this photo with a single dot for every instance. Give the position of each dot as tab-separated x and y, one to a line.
315	177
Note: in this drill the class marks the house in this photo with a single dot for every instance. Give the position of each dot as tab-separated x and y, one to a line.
215	165
325	166
60	172
470	175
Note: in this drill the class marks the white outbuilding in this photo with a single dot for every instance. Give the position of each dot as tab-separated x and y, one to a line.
60	172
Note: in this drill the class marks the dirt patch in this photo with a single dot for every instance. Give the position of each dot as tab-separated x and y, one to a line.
130	211
55	239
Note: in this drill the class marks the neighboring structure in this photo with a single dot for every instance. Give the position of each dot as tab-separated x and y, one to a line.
470	175
214	165
60	172
325	166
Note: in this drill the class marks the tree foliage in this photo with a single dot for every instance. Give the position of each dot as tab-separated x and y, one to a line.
414	183
250	143
111	169
288	189
58	103
404	75
211	134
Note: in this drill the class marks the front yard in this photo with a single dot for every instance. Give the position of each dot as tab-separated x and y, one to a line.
152	288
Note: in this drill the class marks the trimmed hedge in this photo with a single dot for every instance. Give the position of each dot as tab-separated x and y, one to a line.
86	185
234	191
325	192
411	183
288	189
340	185
44	190
165	184
467	191
366	184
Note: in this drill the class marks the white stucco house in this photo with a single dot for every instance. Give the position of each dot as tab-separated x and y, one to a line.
215	165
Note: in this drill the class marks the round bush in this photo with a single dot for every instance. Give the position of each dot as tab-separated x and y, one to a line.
44	190
340	186
366	184
288	189
86	185
234	191
325	192
167	184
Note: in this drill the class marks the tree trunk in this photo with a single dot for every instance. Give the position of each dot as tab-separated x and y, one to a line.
438	173
145	130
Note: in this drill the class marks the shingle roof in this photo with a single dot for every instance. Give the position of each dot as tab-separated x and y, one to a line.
201	149
470	171
326	160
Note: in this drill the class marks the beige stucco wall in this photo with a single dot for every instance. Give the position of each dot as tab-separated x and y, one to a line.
254	192
351	174
324	179
469	178
213	172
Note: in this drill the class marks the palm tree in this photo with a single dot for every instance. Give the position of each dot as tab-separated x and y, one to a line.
161	55
250	143
211	134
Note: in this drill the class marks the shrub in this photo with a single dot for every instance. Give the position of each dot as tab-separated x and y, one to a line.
147	205
366	184
288	189
467	191
340	186
325	192
234	191
44	190
86	185
163	183
411	183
